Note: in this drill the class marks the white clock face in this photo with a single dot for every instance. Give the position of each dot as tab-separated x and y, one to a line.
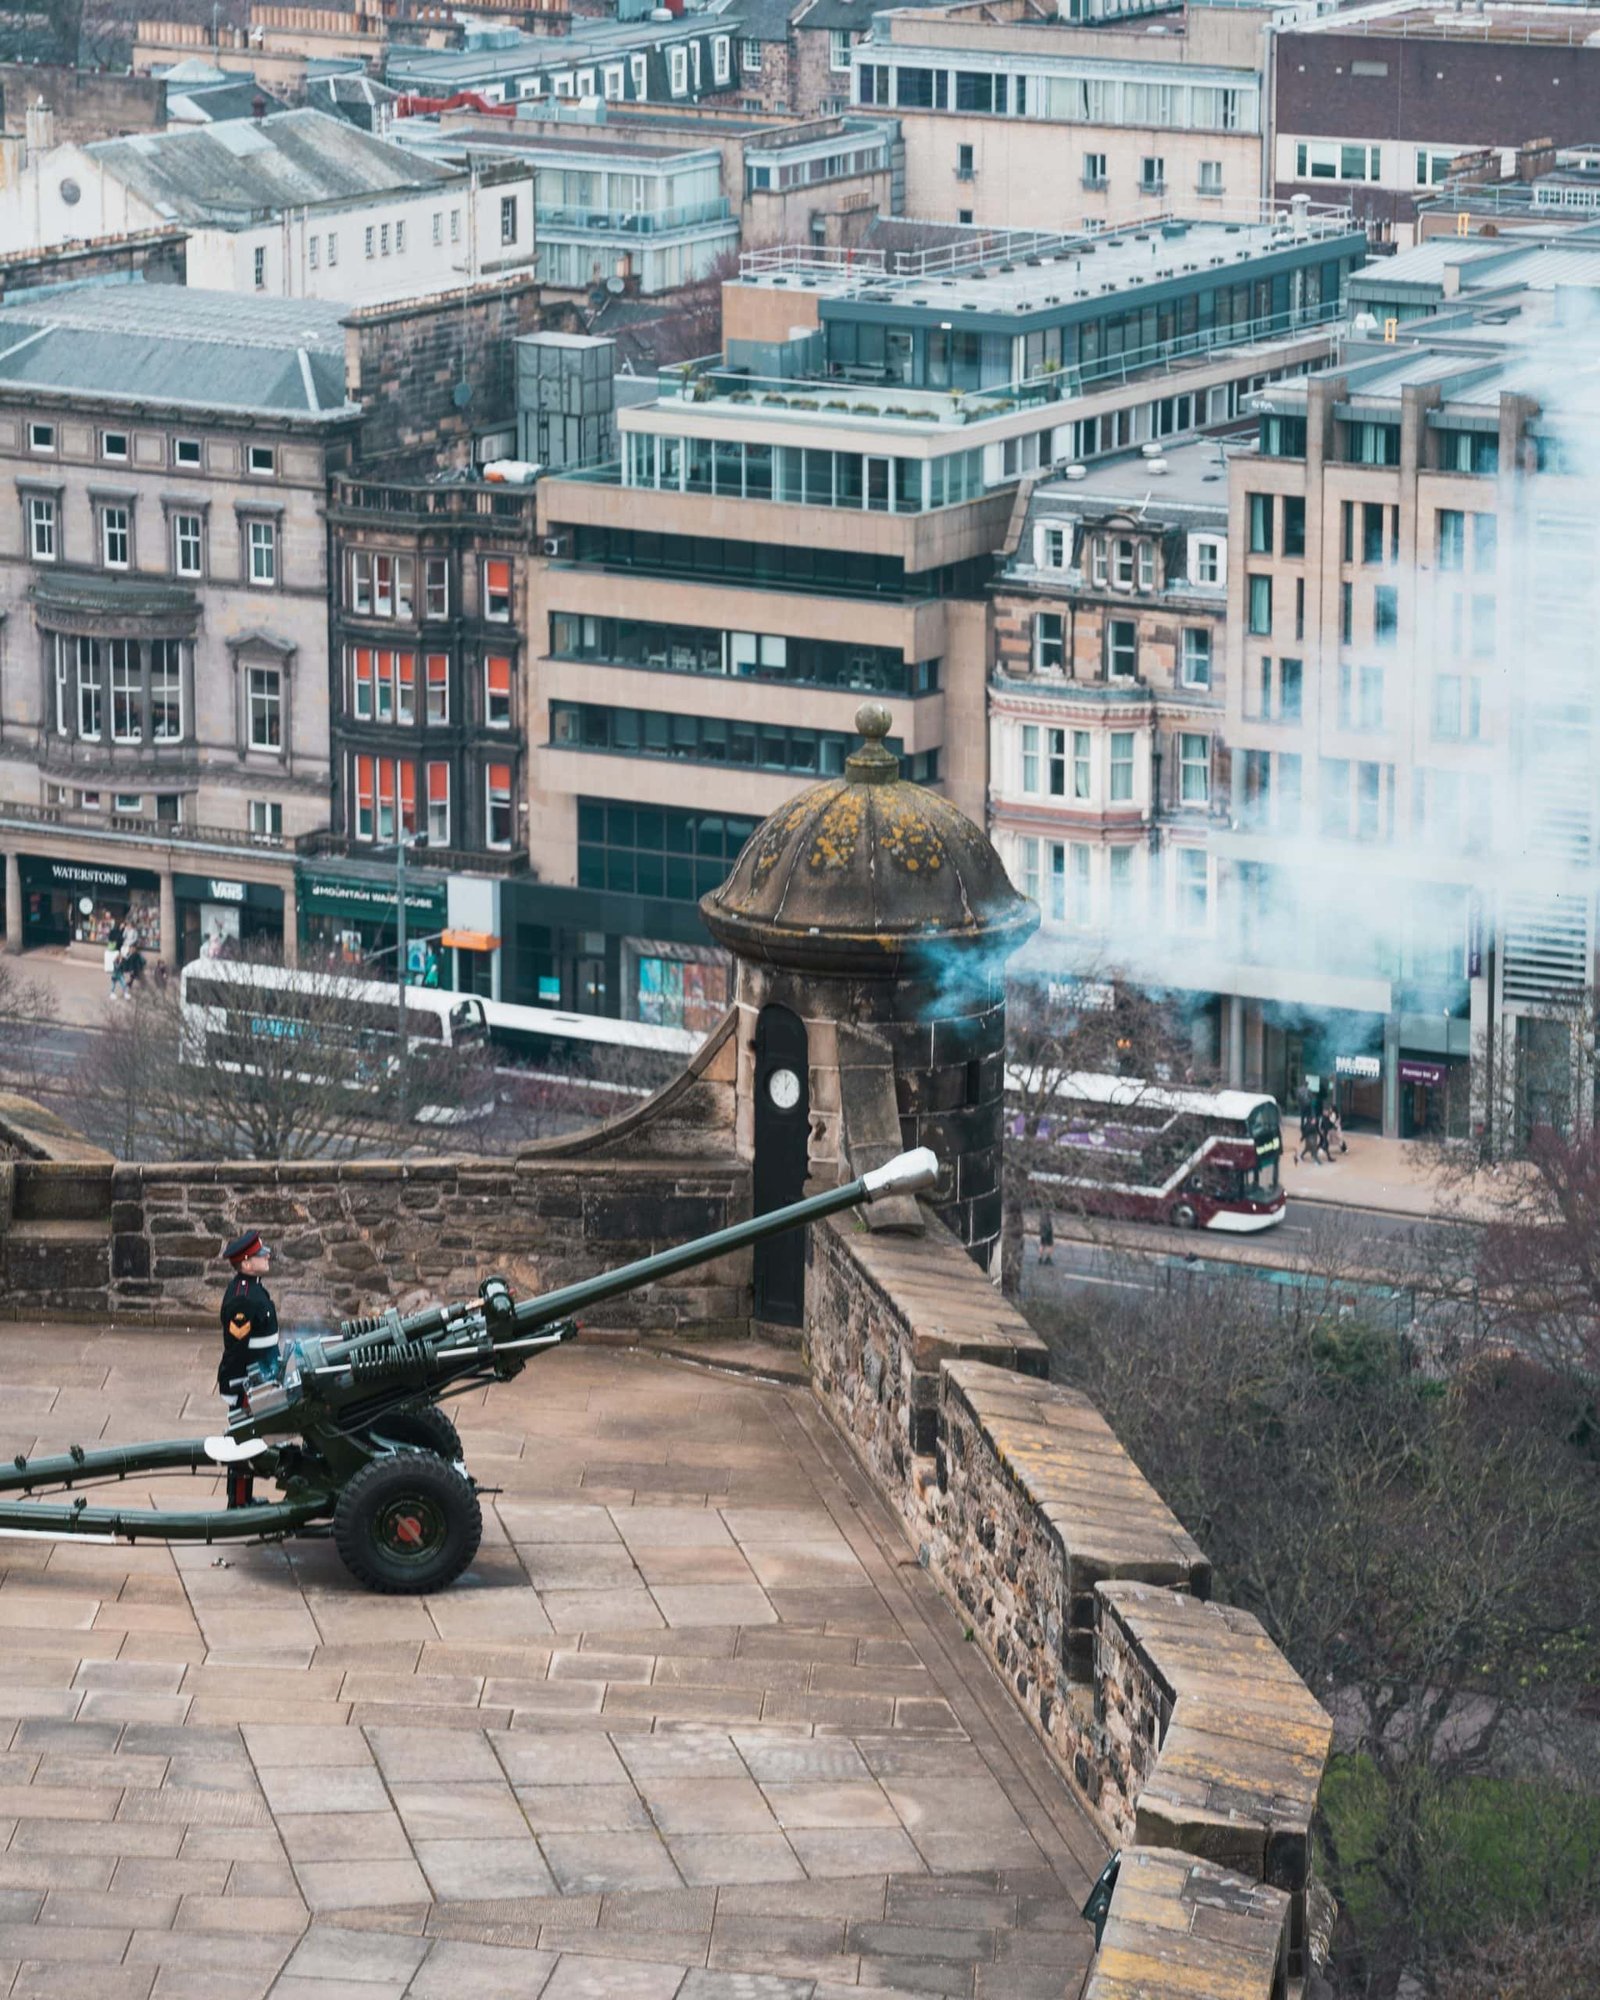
783	1087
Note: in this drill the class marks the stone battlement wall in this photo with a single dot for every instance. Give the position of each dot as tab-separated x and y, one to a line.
1177	1720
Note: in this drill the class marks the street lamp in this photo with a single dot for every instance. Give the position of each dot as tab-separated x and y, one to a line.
402	843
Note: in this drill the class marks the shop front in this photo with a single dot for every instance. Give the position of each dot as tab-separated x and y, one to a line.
355	917
216	911
1434	1092
81	902
675	985
1358	1092
599	951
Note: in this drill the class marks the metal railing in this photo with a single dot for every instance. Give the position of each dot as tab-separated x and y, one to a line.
330	844
513	504
977	249
634	222
710	381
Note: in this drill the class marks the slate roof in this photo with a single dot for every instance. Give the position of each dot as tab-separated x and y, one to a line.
138	343
216	103
231	174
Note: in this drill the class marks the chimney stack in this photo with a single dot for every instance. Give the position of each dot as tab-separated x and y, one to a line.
39	125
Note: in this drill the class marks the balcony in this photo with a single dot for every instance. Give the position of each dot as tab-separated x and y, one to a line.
161	833
330	844
510	506
641	222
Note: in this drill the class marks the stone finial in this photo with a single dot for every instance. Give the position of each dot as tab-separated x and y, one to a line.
874	763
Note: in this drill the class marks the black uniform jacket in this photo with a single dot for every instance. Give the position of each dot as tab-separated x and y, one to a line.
249	1330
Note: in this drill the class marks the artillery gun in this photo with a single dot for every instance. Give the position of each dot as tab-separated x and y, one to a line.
349	1427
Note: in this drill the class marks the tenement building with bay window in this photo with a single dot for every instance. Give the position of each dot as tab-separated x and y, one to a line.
164	589
816	513
1107	766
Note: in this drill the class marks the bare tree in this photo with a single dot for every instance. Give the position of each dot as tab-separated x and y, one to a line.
28	1013
1426	1552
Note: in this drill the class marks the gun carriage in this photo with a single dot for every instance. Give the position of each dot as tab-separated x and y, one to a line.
350	1430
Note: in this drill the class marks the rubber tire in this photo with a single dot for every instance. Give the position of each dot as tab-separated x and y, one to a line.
390	1482
1183	1216
425	1428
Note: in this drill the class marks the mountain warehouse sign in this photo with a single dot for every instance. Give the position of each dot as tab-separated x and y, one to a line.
355	896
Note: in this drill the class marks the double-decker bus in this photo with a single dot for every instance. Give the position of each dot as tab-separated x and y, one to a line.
1193	1159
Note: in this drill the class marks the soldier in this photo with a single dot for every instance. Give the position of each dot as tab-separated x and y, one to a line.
249	1335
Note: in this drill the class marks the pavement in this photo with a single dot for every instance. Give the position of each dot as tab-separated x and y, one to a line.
695	1725
75	977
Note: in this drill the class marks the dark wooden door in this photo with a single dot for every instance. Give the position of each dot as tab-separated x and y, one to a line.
783	1103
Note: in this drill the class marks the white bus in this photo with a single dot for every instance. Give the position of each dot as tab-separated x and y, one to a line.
226	1000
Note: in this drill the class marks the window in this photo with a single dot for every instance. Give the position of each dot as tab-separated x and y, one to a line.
1385	614
188	531
1122	564
455	226
1328	160
1347	612
497	779
1208	562
497	691
508	218
1119	869
1210	182
186	451
1122	649
1485	542
383	239
1283	437
114	445
90	690
1030	757
166	691
333	248
1056	905
399	239
1194	770
1028	868
266	819
1261	517
1152	175
1147	565
1373	444
263	547
497	590
41	437
1360	697
438	225
1369	801
1049	642
1291	683
1452	543
437	670
261	269
114	537
1082	761
313	243
263	461
122	660
1121	766
1094	170
1261	604
371	241
1053	548
1372	532
678	72
1294	525
750	56
265	695
839	44
1193	888
1195	667
1457	707
437	784
42	527
964	167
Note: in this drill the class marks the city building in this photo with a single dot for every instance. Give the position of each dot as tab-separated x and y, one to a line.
795	55
84	104
681	60
1018	120
281	47
815	514
1107	762
1373	105
295	205
164	584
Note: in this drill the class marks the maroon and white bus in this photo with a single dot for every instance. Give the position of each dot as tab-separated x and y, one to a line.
1150	1152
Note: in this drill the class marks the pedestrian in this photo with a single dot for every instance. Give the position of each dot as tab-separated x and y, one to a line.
1333	1133
430	967
1047	1237
1310	1133
249	1336
132	965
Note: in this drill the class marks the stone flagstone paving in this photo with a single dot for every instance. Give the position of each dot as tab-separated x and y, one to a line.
694	1727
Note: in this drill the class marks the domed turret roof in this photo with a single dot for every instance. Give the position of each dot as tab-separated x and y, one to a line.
868	873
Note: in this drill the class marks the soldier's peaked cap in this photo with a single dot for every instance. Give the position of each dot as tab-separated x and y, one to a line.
247	1245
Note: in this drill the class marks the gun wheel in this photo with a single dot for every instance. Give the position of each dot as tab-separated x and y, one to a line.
407	1523
425	1428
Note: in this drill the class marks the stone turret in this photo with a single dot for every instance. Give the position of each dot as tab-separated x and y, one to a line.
871	922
